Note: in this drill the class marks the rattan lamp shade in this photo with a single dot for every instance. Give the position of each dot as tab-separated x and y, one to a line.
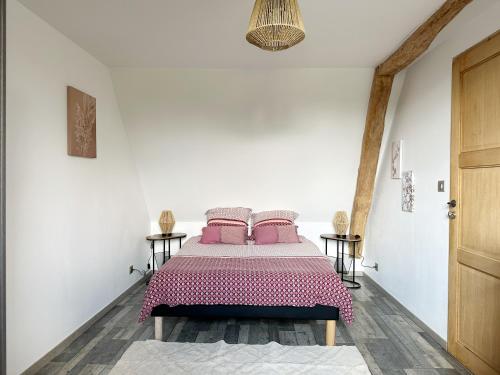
275	25
167	222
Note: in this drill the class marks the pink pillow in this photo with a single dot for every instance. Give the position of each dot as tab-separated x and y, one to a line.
275	214
267	234
241	214
210	235
273	222
287	233
233	235
226	222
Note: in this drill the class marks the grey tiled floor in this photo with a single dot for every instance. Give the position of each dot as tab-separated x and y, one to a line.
389	340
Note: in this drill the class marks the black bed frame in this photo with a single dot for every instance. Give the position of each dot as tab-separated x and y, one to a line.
318	312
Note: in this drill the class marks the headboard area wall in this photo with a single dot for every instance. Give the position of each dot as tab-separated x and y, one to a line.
283	138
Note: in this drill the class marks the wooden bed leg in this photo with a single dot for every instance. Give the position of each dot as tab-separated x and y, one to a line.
331	326
159	328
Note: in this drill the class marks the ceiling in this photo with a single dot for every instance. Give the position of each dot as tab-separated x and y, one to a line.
211	33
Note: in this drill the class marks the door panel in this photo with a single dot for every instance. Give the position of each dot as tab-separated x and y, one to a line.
474	266
480	211
481	90
475	318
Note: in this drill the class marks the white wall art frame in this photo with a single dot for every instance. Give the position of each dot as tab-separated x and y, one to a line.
397	148
408	192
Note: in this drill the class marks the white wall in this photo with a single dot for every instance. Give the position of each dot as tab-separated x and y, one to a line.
310	229
74	225
258	138
412	248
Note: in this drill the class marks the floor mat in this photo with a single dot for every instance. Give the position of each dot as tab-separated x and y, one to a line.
156	357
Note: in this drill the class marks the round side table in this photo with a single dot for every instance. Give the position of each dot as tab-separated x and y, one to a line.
341	240
164	237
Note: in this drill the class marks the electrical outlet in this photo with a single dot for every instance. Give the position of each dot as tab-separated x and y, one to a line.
376	267
131	269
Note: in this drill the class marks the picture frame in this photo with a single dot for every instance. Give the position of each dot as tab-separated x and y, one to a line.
408	191
81	112
396	165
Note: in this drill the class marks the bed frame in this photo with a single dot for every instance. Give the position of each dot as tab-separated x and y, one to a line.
318	312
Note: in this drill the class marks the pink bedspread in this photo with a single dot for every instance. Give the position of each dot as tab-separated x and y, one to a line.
264	281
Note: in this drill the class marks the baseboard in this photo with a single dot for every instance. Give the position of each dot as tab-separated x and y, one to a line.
38	365
417	321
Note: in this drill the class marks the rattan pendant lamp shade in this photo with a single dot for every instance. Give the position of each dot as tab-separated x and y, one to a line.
275	25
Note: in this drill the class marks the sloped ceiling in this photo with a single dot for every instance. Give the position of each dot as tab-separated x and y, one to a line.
211	34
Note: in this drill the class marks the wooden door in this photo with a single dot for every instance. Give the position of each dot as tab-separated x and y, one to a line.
474	267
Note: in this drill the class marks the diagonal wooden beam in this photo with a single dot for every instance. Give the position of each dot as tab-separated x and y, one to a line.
416	44
370	149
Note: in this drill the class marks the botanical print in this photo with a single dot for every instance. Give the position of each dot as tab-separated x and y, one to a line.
396	160
81	124
84	124
408	192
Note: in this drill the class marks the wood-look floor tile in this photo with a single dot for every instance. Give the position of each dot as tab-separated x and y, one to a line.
370	361
344	334
425	371
203	324
364	326
105	350
288	338
386	355
304	334
258	333
273	330
76	346
390	341
319	332
232	333
51	368
188	332
216	331
243	334
176	330
93	369
402	343
448	371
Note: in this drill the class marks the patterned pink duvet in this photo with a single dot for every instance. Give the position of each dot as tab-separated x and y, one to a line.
264	275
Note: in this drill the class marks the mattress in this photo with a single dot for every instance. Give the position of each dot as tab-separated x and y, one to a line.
295	275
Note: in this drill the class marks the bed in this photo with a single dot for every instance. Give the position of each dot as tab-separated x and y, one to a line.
289	281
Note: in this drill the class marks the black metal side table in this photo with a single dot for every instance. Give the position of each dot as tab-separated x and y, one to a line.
164	237
353	284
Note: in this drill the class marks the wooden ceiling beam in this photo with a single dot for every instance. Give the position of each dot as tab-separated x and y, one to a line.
416	44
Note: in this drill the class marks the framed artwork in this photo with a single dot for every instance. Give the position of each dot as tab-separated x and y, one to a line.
81	124
396	159
408	192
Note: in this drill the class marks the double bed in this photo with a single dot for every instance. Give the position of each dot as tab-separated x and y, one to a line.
289	281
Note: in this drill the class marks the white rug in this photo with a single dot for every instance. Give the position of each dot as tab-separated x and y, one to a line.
156	357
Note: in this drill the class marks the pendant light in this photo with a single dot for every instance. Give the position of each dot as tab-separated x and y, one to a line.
275	25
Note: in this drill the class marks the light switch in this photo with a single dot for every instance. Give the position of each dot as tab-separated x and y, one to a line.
441	186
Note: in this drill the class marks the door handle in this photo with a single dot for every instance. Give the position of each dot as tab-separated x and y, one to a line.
452	203
452	215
